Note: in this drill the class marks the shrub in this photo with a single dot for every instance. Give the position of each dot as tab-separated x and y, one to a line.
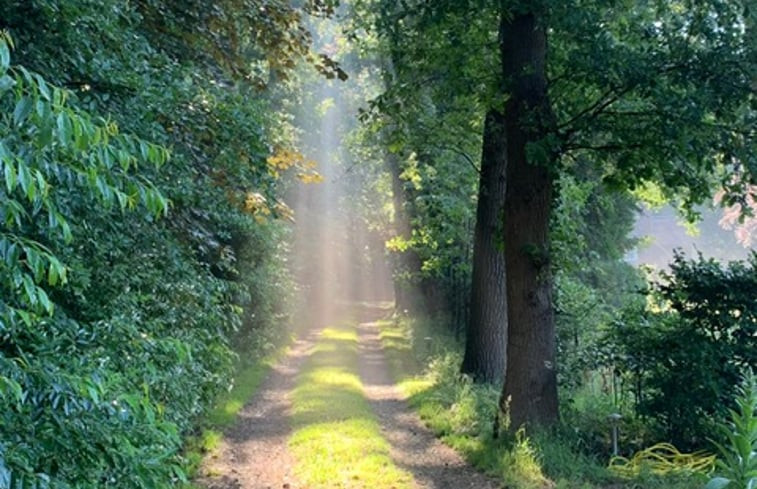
684	355
124	276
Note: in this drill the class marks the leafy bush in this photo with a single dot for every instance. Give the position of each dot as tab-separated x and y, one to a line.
590	230
76	410
125	277
684	355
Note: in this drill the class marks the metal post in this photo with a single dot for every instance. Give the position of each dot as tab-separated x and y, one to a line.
615	421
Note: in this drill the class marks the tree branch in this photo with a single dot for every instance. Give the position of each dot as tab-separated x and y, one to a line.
603	147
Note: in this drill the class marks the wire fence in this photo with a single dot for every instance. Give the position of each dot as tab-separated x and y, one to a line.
458	278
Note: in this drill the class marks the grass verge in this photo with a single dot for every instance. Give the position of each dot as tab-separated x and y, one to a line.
336	439
224	413
426	365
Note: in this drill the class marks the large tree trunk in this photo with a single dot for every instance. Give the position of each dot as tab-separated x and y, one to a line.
530	389
486	336
406	264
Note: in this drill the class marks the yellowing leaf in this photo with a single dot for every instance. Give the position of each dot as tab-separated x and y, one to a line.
283	159
312	177
283	211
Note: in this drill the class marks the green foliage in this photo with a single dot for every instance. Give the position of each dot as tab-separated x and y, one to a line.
590	236
116	327
461	414
684	355
434	131
658	92
590	228
48	145
644	94
737	465
52	367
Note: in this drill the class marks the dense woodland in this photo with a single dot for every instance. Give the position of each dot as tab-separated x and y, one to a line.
161	225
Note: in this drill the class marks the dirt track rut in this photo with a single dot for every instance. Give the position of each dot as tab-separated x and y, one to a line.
254	453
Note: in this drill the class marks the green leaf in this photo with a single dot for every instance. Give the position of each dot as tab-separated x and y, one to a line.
144	150
180	473
6	83
45	133
64	125
80	138
122	198
52	275
25	317
10	175
30	290
104	189
23	108
10	385
93	394
59	97
717	483
44	301
5	56
24	177
66	229
41	183
44	90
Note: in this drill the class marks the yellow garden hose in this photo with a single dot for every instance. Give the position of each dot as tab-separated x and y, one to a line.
660	459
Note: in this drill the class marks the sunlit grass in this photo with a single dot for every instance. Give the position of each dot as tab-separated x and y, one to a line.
457	411
225	411
246	383
460	413
336	439
403	364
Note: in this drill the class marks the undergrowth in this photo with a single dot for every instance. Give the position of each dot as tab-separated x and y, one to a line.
249	375
737	467
460	412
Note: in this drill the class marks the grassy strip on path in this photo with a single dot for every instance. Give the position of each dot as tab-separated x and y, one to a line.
427	369
336	438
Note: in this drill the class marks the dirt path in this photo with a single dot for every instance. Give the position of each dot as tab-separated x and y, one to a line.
414	448
254	453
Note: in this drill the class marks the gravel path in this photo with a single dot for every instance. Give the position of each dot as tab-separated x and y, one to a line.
254	453
414	448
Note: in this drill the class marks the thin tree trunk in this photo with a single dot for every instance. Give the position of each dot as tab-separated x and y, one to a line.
486	336
530	389
407	264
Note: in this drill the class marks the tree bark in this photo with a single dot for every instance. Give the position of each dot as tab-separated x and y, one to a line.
486	335
529	395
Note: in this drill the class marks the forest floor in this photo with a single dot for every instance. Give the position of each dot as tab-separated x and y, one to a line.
330	416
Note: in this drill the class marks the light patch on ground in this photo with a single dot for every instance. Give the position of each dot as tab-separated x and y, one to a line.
336	439
395	338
